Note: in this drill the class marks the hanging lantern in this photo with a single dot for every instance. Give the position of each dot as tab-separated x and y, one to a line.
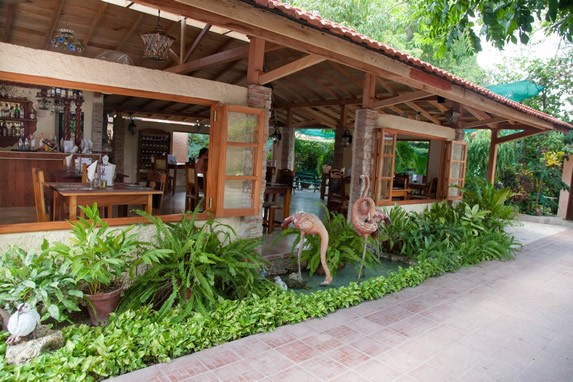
157	43
64	40
276	136
346	138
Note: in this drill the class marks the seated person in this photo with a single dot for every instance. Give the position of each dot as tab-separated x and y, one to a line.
201	164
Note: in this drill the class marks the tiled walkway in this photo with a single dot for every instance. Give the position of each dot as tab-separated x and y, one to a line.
493	322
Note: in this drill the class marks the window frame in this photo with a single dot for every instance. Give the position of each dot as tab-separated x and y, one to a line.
450	180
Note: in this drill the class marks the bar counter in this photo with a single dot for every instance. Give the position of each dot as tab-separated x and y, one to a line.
16	174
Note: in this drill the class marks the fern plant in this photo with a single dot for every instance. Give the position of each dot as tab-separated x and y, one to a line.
204	265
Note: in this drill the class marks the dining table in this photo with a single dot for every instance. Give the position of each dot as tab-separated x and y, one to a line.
75	175
81	194
402	193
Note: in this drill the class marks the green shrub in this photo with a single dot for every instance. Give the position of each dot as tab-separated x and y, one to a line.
40	279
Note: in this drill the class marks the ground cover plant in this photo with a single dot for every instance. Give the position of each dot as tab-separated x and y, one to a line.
145	336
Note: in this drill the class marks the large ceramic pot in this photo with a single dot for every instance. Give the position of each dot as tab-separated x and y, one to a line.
101	305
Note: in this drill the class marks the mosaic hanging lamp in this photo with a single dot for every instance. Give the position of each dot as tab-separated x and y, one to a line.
157	43
64	40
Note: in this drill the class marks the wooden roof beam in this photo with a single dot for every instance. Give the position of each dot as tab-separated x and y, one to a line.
402	98
330	122
95	22
129	33
55	19
256	62
369	91
310	122
482	122
196	42
481	115
10	11
290	68
217	58
424	113
336	102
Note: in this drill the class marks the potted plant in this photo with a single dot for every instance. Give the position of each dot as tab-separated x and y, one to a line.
100	258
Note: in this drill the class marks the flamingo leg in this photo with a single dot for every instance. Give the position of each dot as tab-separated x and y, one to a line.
299	253
363	257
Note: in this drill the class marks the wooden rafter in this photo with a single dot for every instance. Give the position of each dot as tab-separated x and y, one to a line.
55	19
481	115
402	98
350	101
10	11
423	112
330	122
290	68
305	123
514	136
130	32
482	122
95	21
217	58
196	42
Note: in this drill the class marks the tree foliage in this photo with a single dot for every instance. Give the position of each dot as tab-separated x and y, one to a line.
501	21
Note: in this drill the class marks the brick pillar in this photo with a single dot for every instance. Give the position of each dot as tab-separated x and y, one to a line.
258	97
363	150
459	134
98	128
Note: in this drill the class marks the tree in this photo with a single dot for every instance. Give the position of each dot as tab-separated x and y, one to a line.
442	22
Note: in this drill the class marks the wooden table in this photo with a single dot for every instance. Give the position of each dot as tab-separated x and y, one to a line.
175	166
81	194
401	193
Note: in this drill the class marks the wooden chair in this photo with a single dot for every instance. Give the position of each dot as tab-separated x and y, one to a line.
270	207
429	191
160	164
338	185
84	173
285	176
191	188
42	213
156	180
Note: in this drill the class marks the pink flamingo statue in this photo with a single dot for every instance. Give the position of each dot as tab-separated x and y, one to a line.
366	217
309	224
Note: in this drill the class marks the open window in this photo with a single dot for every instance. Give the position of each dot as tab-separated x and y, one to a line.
456	156
385	156
238	151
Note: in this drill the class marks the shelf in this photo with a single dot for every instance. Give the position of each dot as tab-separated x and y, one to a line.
17	119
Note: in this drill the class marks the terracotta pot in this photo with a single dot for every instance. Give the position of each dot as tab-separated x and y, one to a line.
101	305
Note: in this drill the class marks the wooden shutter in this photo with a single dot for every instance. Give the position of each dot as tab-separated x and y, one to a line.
456	156
239	151
384	170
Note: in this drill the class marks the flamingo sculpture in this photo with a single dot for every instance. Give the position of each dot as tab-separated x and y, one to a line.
309	224
366	218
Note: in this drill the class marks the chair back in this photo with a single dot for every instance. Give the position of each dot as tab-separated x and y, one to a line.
400	181
157	180
285	176
160	163
338	190
38	184
270	174
191	187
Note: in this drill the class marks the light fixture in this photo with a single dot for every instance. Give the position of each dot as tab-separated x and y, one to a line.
452	116
132	126
64	40
346	138
276	136
157	43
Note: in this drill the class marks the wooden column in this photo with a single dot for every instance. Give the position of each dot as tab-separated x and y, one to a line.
256	60
492	156
338	155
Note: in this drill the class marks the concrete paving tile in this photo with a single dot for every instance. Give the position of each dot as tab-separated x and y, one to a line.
269	362
294	373
344	334
217	357
347	356
413	325
366	326
152	374
323	368
297	351
370	346
399	360
349	376
278	338
390	337
183	367
389	316
374	370
248	346
428	373
322	341
238	371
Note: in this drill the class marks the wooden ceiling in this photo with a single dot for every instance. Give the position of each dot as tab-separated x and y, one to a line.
316	94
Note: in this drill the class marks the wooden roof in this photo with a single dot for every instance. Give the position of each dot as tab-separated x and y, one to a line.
318	70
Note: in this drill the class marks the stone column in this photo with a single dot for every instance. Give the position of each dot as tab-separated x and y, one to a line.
363	150
98	128
258	97
118	147
287	148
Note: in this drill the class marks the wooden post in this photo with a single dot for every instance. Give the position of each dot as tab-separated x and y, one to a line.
492	157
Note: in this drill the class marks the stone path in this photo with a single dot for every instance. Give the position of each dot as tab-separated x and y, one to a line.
509	321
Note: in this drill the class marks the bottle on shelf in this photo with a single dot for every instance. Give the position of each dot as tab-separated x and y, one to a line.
17	111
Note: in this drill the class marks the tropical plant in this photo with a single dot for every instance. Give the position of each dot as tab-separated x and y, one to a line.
98	257
495	201
344	245
203	265
39	278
